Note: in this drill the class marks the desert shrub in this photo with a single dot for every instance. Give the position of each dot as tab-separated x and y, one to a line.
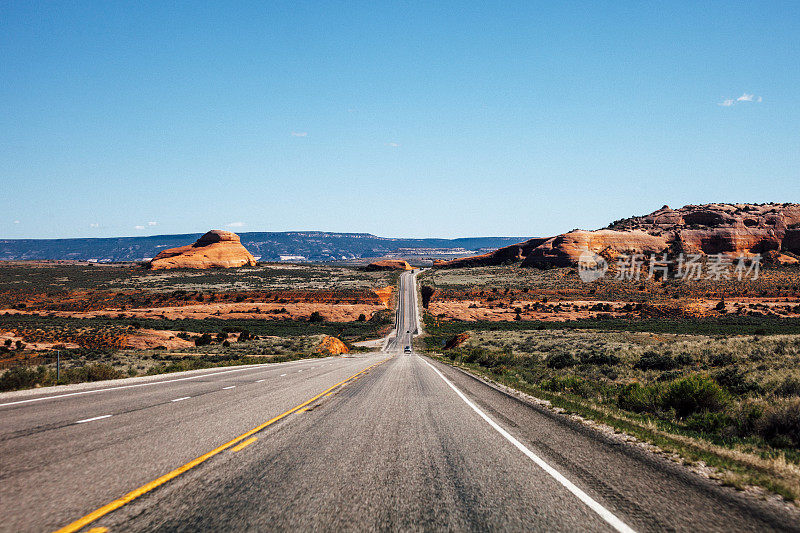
790	386
23	378
203	340
244	335
362	317
316	316
707	422
721	359
602	358
560	360
572	384
92	372
695	394
746	415
733	379
655	361
640	398
780	423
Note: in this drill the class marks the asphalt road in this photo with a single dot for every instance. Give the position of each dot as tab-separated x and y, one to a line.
406	444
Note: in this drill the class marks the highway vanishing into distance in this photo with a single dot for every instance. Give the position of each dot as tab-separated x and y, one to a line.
378	441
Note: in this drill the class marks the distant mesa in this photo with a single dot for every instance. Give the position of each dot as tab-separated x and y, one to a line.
772	230
215	249
389	264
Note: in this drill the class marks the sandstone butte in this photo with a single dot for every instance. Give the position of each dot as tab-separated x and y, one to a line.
333	346
389	264
215	249
772	230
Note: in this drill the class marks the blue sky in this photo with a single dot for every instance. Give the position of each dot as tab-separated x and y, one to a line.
413	119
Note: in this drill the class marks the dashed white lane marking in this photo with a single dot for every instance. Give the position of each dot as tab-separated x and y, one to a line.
92	419
604	513
181	399
259	380
300	370
229	387
148	384
283	375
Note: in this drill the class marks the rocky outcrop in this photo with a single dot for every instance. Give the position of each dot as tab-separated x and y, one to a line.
332	346
565	249
772	230
215	249
384	294
389	264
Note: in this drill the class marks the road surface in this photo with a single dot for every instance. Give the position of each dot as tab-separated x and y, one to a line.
405	443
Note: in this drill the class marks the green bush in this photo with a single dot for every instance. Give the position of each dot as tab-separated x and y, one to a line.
91	372
22	377
203	340
655	361
560	360
640	398
695	394
780	423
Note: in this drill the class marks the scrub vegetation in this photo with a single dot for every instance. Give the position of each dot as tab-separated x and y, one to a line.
730	401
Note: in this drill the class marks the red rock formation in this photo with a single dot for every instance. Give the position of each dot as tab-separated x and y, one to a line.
732	229
389	264
332	346
215	249
384	294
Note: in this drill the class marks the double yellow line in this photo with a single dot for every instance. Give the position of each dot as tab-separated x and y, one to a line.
116	504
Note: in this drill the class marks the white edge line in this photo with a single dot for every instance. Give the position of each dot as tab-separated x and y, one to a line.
604	513
29	400
259	380
229	387
282	375
181	399
92	419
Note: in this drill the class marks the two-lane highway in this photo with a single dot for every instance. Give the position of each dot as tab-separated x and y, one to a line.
406	316
405	443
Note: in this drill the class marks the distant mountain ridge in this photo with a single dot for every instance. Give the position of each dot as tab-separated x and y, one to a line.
270	246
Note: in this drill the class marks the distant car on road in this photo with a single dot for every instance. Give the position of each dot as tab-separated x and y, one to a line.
407	349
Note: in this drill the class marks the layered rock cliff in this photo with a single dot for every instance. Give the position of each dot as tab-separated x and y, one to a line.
772	230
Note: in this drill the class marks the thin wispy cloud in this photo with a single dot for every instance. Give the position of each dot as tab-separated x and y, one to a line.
299	134
16	222
152	223
236	225
94	225
138	227
746	97
393	145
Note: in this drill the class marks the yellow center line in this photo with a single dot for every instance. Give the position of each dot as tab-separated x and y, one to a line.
116	504
244	444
